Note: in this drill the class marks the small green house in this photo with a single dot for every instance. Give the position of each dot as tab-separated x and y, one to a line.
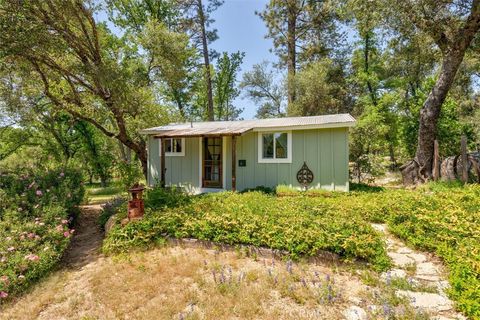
237	155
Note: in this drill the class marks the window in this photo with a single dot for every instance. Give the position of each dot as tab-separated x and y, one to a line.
275	147
173	147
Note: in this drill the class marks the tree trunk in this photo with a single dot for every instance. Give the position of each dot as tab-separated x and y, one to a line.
366	55
291	54
206	58
420	169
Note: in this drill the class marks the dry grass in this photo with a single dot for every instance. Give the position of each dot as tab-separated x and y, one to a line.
186	283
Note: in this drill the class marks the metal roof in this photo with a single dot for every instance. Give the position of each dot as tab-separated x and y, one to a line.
239	127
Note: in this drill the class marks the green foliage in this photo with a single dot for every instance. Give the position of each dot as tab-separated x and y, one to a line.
440	217
299	227
159	198
31	189
109	209
130	173
450	126
225	86
266	190
261	87
35	211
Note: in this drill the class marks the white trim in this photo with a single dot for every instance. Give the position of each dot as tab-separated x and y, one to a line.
306	127
288	159
172	154
224	162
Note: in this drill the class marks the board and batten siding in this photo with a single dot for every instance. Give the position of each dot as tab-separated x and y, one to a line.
324	150
181	170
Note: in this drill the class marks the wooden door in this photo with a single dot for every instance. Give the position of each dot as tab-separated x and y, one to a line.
212	162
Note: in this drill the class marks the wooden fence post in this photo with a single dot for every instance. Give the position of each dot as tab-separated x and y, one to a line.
464	159
436	161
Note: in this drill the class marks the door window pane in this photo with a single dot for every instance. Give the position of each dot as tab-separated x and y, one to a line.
168	145
177	145
268	146
281	145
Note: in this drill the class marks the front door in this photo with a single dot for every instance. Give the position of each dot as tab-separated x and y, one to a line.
212	162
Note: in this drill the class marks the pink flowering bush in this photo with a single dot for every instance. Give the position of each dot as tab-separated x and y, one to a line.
35	213
28	192
30	249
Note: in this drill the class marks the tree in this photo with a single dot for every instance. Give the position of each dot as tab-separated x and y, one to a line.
260	86
134	15
225	86
299	24
84	70
171	63
320	90
453	27
197	20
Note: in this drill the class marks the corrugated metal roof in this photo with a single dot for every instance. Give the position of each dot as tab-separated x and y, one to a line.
242	126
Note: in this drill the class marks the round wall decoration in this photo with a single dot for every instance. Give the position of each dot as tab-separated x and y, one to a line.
305	176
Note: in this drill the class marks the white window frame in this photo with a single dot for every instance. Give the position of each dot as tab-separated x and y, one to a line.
261	159
172	154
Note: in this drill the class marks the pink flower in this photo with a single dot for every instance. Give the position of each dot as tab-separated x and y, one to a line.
72	231
32	257
3	294
64	221
39	193
10	249
31	235
62	174
66	234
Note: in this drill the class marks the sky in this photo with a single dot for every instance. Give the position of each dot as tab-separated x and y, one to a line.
239	29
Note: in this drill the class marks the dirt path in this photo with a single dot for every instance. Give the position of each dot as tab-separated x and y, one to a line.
85	245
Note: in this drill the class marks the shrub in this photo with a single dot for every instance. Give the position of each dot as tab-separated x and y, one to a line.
263	189
158	197
34	215
108	210
32	189
257	219
440	217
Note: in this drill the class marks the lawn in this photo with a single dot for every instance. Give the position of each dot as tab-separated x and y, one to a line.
98	194
440	218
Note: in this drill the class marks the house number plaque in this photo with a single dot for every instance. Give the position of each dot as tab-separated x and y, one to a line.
305	176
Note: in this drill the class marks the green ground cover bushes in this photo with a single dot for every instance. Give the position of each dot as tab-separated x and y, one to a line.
255	218
36	210
441	218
